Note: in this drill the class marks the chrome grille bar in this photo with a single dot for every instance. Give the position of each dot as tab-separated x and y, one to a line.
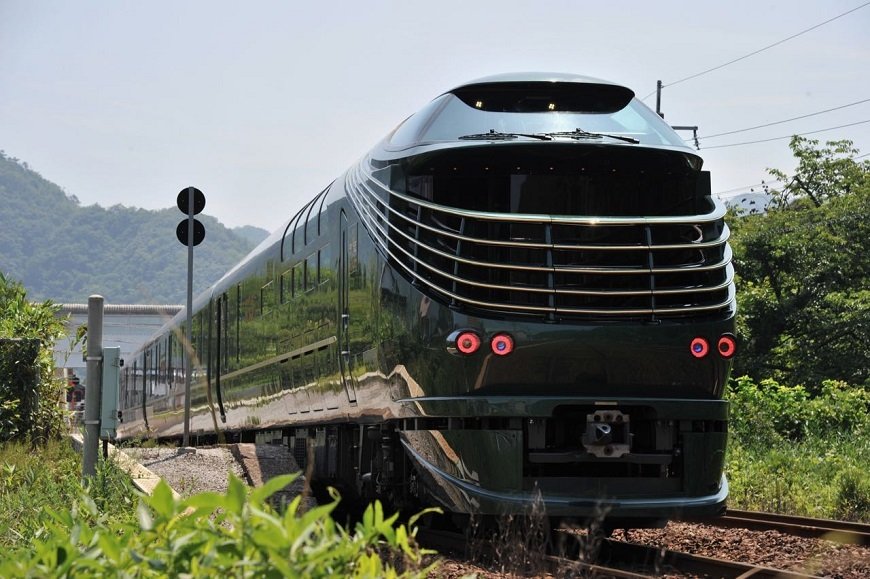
702	266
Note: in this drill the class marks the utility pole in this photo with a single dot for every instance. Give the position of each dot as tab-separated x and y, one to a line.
93	391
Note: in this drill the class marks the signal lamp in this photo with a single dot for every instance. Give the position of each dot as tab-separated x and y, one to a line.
727	346
467	343
502	344
699	347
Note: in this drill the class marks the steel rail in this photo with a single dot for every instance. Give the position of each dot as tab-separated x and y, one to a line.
846	532
618	559
643	555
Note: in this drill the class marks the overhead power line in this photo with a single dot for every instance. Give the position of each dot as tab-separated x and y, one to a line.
786	136
777	43
781	122
737	191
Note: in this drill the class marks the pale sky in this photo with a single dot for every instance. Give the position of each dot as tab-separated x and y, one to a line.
262	104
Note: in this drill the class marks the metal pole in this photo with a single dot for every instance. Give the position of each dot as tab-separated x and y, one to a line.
189	348
659	99
93	390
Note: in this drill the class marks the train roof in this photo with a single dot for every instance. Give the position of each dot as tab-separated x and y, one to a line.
526	77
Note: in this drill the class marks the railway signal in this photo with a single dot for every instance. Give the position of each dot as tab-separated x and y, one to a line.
191	201
190	232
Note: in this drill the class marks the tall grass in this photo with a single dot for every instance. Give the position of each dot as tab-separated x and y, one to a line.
36	479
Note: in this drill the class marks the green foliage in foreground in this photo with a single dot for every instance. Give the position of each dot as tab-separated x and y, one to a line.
32	479
795	453
212	535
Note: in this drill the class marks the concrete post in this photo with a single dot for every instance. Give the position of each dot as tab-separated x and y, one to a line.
94	386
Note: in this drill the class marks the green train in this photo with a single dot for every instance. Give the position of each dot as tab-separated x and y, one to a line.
521	298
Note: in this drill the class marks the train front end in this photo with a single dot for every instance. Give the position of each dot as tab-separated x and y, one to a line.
562	284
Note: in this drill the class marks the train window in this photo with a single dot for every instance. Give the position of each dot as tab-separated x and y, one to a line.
238	309
407	133
323	273
199	338
286	288
353	249
320	208
298	279
548	108
170	347
310	231
291	226
311	272
267	298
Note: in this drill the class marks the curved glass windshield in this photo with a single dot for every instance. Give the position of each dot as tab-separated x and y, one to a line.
448	118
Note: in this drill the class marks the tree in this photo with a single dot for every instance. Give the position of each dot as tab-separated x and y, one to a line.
36	412
804	272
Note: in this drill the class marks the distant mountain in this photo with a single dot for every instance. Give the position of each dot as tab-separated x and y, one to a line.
65	252
254	235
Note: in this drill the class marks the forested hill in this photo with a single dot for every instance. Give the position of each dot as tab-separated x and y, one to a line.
65	252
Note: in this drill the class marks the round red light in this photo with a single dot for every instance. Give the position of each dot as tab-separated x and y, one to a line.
699	347
727	346
502	345
467	342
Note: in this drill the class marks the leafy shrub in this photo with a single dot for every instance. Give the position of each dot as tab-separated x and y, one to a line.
767	412
232	535
32	408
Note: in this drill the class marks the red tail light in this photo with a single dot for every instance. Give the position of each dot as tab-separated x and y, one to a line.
467	343
699	347
502	344
727	346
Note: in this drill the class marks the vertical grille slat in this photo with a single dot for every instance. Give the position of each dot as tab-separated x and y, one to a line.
559	267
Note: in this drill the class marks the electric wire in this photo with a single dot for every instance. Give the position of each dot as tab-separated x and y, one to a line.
777	43
737	191
786	136
779	122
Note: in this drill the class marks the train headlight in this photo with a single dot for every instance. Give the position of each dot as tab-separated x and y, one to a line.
463	342
699	347
502	344
727	346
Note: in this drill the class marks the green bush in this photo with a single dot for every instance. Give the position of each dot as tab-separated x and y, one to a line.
792	452
31	408
768	412
211	535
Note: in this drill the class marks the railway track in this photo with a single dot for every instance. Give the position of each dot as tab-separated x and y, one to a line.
613	558
838	531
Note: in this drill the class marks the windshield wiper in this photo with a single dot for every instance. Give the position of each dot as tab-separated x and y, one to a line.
494	135
581	134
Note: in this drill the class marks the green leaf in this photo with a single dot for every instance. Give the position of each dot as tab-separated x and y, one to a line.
146	521
162	501
236	495
272	486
